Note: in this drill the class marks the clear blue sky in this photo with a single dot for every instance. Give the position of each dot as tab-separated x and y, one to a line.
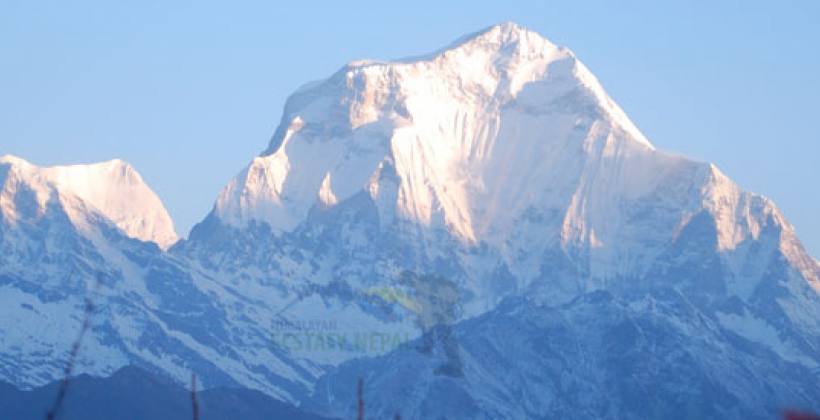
189	92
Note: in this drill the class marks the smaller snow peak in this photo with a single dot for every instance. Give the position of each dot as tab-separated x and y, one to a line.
9	163
112	188
115	171
256	193
12	160
739	215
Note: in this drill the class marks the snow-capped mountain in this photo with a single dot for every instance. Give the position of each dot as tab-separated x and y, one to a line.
112	189
74	234
500	164
488	202
499	160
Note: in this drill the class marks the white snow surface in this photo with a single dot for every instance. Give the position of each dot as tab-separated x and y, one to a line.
113	189
443	122
501	127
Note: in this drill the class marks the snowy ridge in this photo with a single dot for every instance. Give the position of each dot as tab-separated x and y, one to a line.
480	139
113	188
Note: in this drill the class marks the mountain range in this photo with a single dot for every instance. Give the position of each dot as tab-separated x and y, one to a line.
480	232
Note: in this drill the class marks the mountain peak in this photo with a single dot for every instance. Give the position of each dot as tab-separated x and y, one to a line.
453	124
113	188
505	34
11	160
507	38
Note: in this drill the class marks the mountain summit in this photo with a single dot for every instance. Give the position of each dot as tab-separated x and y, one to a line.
442	124
113	190
502	142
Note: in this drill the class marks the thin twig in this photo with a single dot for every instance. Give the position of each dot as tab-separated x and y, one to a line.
194	402
72	356
360	394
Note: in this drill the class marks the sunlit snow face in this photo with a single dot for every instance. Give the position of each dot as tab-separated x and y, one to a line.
113	189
